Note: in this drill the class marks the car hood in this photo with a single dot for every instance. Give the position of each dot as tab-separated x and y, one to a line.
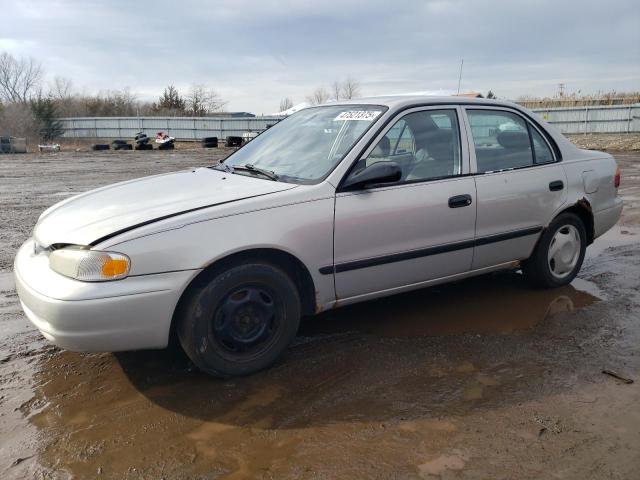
94	215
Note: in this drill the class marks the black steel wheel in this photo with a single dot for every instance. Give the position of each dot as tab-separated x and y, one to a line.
245	319
241	321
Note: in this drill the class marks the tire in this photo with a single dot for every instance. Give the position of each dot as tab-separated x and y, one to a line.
209	140
547	269
234	141
144	146
100	146
166	146
119	142
241	321
210	145
122	146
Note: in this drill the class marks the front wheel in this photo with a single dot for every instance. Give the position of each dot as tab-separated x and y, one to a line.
559	254
241	321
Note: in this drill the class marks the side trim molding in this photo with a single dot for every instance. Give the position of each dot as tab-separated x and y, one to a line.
426	252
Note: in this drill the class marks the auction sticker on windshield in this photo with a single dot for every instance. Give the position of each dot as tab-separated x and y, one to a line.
367	115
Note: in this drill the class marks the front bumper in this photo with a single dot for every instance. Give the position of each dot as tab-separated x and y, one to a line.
130	314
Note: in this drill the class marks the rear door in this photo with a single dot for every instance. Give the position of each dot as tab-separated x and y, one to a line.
519	184
420	228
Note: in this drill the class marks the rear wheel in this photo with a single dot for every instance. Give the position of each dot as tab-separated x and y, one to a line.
241	321
559	254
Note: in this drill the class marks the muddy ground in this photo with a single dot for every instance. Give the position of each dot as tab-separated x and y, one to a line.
481	379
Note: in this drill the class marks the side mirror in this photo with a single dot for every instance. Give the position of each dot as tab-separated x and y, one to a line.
379	172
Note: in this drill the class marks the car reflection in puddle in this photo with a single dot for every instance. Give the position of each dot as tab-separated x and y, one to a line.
501	303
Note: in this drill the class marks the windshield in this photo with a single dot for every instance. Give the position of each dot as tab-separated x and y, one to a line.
306	146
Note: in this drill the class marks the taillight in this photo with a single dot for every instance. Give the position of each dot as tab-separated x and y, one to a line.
616	179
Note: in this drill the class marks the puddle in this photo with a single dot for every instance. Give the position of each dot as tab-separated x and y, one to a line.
501	303
151	415
589	287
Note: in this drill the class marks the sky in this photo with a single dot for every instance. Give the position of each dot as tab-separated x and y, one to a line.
254	53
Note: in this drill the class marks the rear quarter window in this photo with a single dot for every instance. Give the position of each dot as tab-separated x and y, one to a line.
541	148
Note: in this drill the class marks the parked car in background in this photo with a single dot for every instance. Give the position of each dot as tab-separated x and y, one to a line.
334	205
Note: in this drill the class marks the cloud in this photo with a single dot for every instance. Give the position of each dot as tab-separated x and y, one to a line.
256	52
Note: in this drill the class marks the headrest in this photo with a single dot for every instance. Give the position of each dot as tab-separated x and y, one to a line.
512	140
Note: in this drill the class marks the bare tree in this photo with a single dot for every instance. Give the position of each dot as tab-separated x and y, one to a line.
285	104
350	89
319	95
202	100
16	119
19	78
111	103
336	90
61	88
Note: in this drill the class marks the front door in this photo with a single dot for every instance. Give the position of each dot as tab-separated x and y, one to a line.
418	229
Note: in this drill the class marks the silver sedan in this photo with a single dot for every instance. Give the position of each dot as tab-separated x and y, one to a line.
334	205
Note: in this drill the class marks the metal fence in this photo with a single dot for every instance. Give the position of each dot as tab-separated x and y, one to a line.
182	128
592	119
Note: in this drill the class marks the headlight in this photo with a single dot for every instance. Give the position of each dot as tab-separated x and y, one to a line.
89	265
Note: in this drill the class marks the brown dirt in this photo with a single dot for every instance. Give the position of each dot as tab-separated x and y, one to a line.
479	379
614	142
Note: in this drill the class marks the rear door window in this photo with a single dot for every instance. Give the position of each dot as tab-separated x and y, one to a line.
501	140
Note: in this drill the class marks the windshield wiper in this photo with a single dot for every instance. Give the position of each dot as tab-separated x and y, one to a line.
249	167
222	167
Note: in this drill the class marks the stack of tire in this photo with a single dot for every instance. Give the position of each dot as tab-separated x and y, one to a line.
166	146
121	145
142	142
234	141
209	142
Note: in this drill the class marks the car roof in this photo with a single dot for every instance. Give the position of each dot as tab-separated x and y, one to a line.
400	101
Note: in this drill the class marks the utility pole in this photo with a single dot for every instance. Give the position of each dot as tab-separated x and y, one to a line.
460	75
561	90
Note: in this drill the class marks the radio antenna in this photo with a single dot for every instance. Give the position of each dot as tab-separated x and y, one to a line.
460	76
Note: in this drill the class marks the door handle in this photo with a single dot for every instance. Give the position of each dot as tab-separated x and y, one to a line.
556	185
460	201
